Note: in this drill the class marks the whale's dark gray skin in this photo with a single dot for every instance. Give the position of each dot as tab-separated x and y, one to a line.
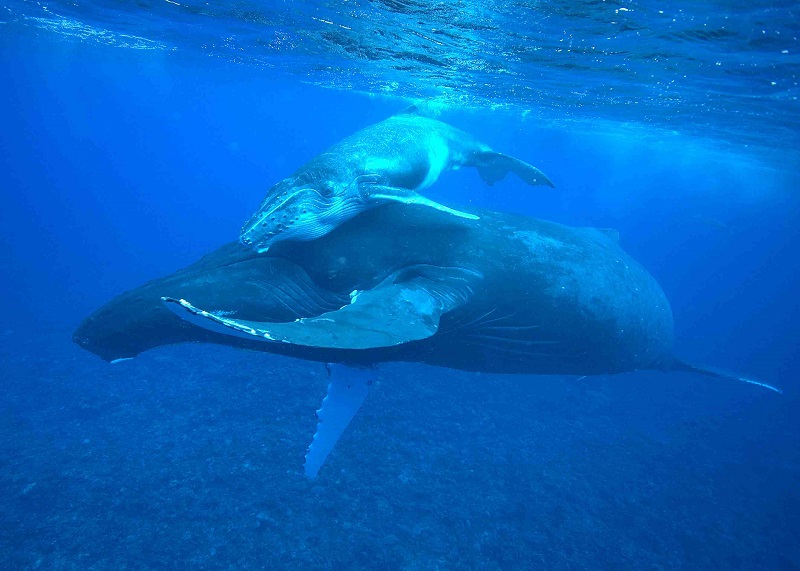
502	294
392	160
505	294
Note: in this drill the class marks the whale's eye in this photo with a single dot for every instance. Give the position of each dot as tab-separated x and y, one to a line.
324	191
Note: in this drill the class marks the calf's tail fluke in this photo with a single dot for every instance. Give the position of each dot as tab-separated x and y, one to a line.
494	166
678	365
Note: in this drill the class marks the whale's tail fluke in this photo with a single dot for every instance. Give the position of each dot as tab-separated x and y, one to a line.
494	166
678	365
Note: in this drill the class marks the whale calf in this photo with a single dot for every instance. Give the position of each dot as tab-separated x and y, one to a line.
503	294
390	161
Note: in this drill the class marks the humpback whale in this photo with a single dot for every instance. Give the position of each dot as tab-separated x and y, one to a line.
390	161
502	294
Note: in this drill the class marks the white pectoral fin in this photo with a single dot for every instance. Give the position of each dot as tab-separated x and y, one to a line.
403	308
383	317
405	196
347	390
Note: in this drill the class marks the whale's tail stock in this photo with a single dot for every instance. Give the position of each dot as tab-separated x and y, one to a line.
678	365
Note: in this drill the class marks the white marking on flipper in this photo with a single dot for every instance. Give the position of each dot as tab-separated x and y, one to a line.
347	390
212	322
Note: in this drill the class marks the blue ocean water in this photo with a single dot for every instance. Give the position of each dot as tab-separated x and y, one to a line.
136	137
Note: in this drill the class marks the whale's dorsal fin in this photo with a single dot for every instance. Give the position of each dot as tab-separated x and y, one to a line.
611	233
410	110
405	307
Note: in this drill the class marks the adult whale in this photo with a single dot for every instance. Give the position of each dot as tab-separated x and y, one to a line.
390	161
503	294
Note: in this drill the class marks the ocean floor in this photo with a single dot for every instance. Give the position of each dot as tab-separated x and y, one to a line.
190	457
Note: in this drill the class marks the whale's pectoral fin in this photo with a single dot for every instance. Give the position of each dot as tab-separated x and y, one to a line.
347	390
405	307
380	193
495	166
